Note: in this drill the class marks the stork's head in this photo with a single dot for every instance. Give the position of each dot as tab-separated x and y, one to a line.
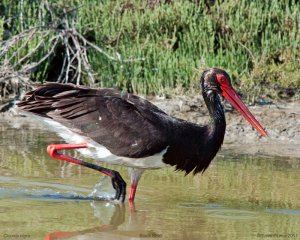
217	81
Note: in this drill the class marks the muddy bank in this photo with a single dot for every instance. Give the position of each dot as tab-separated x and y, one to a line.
281	120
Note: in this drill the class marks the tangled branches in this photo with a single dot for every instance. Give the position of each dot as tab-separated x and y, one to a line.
12	87
69	41
56	52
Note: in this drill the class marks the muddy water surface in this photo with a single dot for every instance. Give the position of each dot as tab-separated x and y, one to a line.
238	197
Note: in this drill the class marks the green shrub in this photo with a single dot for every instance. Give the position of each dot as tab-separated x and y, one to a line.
1	28
258	42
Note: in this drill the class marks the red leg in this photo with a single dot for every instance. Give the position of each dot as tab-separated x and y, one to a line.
117	181
132	192
133	188
135	175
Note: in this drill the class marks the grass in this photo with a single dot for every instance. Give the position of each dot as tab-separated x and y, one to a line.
257	42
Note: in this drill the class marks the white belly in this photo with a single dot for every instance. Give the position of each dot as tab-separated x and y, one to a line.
101	153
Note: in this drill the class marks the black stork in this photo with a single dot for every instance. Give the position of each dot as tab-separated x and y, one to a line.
120	128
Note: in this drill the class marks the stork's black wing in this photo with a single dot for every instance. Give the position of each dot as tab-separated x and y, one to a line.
124	123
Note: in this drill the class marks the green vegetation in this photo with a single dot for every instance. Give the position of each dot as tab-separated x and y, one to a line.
1	28
257	42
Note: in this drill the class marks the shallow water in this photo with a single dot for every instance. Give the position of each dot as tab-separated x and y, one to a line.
238	197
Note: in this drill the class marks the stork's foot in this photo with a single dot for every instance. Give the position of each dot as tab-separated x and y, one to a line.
117	181
119	185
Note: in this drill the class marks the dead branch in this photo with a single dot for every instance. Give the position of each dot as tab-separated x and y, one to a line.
32	51
12	86
6	45
29	68
56	47
119	57
28	38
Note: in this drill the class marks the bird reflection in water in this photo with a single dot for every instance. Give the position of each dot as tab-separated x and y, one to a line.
133	228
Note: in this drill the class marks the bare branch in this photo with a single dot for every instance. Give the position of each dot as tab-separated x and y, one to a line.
34	49
21	15
118	59
68	58
31	67
87	66
75	61
78	50
6	45
29	37
86	63
62	69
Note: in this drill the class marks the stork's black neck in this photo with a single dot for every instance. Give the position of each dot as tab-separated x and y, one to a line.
195	146
218	122
215	109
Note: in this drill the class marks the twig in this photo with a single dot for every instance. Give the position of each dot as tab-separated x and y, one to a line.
78	50
248	50
87	67
68	57
86	64
76	56
11	76
30	35
34	49
34	65
46	3
62	69
96	47
118	59
21	15
6	45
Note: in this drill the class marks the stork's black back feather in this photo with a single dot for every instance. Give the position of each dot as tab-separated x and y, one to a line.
127	125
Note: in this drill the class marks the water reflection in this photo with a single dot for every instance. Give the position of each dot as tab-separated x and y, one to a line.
238	197
103	230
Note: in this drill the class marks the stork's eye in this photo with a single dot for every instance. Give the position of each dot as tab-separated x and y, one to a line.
221	79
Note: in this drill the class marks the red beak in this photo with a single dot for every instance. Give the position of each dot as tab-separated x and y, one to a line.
229	93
